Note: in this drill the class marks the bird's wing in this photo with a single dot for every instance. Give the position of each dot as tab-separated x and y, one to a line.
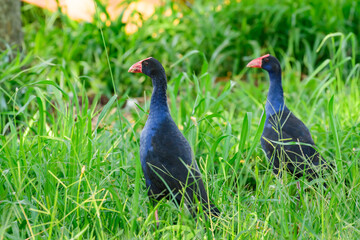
286	128
291	127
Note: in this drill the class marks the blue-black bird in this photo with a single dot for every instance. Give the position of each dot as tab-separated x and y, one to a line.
167	160
286	140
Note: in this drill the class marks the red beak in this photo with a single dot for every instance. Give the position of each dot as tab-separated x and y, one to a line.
137	67
257	62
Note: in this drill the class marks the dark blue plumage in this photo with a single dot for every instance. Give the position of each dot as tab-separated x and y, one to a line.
286	140
166	156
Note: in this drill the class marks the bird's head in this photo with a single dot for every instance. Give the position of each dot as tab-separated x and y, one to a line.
149	66
267	62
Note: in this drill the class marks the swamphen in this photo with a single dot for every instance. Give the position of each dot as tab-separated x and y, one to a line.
286	140
166	157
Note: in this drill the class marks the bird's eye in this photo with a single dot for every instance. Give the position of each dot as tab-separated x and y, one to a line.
266	60
146	63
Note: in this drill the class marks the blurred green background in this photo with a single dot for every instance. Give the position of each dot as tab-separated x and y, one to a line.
228	33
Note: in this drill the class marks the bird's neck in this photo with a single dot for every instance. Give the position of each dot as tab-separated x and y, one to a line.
158	103
275	99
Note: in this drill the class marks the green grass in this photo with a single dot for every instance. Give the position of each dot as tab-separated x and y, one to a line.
69	163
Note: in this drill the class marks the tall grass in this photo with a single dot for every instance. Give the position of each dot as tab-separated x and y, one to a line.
70	166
